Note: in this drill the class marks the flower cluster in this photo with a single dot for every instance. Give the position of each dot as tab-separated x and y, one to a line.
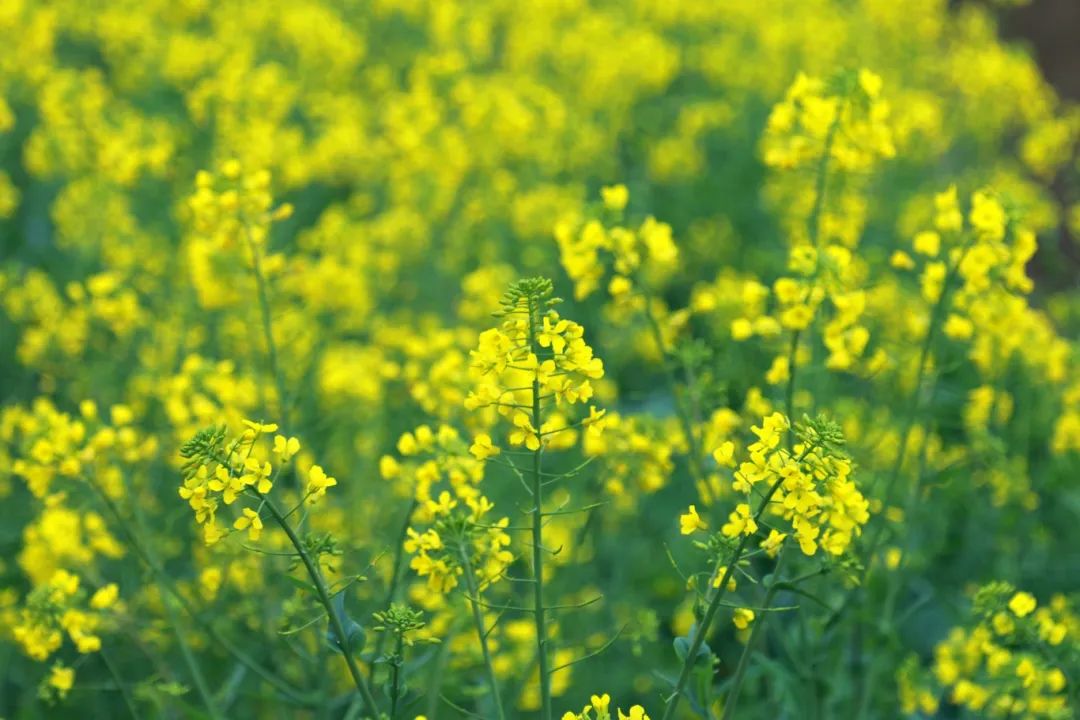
635	456
586	248
1006	663
61	607
233	205
450	527
459	538
810	487
535	363
231	212
52	444
983	264
219	472
843	117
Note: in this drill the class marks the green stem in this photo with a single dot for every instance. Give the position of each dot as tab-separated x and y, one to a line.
537	533
324	597
395	679
481	632
189	659
398	567
267	328
821	179
129	701
748	650
789	391
702	628
143	549
936	319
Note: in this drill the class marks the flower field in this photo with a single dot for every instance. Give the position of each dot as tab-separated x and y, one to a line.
554	360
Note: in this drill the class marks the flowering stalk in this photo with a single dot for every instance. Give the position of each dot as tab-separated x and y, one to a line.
865	686
336	623
537	526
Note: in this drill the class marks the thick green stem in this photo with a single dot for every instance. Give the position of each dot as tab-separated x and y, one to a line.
748	650
324	598
481	632
538	533
395	675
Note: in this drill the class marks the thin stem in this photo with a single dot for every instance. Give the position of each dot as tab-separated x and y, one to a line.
129	701
537	533
481	633
324	597
267	328
395	578
702	627
144	552
189	660
789	391
936	318
748	650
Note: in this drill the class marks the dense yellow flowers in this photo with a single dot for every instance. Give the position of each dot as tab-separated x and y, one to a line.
534	363
814	380
1006	664
219	473
810	487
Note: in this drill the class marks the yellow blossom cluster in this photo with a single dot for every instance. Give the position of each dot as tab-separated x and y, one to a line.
635	457
51	445
586	248
535	362
218	473
60	607
843	118
1005	664
810	487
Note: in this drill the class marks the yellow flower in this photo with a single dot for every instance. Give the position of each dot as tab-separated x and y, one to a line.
285	448
251	522
318	482
636	713
254	474
482	448
740	522
61	678
255	428
615	196
927	243
742	617
691	522
901	260
524	433
105	597
1022	604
